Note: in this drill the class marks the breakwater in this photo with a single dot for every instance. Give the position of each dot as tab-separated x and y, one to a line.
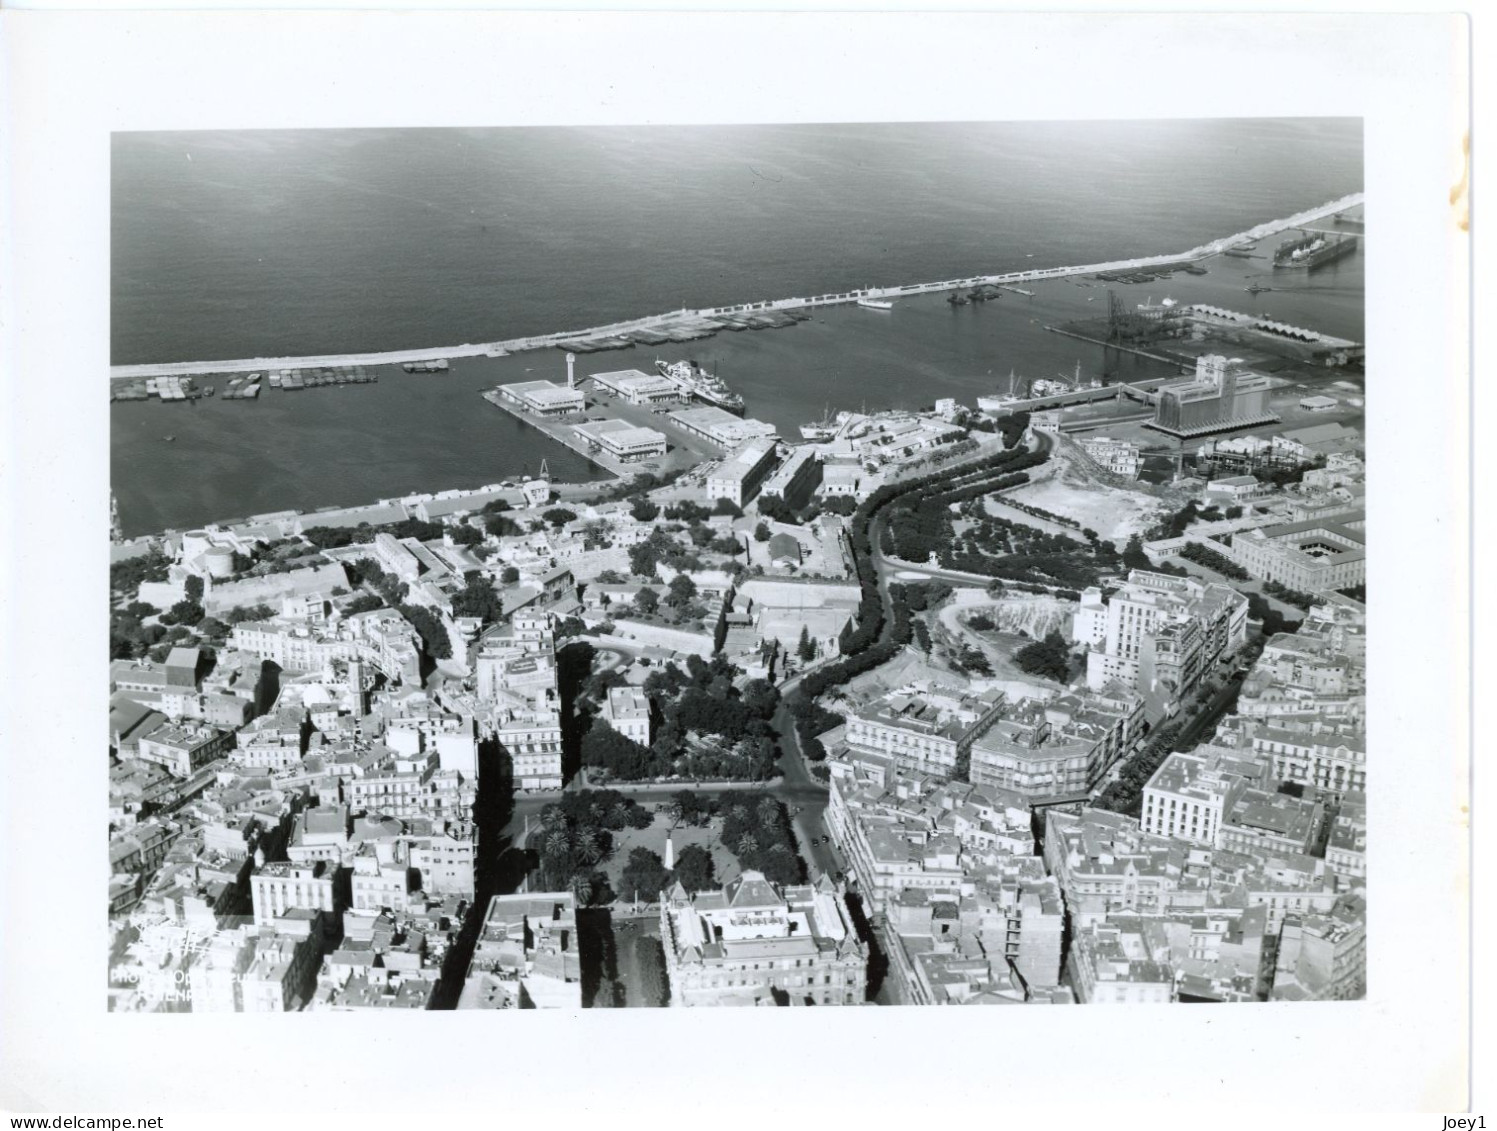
685	324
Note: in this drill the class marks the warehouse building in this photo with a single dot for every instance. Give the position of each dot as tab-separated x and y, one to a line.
623	441
638	387
544	398
720	427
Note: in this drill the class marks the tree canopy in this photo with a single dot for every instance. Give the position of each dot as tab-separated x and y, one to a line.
694	869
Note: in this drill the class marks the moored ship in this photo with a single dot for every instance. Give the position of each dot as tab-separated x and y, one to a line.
1314	250
697	382
875	304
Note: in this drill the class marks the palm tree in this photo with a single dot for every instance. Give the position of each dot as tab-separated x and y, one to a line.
747	846
583	888
769	811
552	818
588	847
558	845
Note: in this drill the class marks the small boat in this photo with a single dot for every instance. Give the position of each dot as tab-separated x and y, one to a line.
1257	289
957	299
168	439
207	390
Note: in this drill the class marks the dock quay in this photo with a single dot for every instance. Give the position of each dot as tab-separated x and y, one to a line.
1183	363
560	429
687	325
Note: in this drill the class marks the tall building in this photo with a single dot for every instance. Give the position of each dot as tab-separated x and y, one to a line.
1158	634
1220	397
752	943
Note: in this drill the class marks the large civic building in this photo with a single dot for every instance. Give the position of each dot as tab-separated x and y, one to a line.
1319	555
754	944
1217	399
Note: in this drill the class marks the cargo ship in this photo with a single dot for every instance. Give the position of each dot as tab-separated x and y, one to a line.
1314	250
439	365
696	382
875	304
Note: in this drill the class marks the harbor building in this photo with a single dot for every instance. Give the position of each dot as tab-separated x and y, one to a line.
636	387
720	427
752	942
797	479
738	476
1319	555
543	398
1219	398
623	441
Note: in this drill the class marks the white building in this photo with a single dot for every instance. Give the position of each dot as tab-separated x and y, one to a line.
622	440
1116	456
628	712
720	427
638	387
544	398
738	476
1190	795
1158	634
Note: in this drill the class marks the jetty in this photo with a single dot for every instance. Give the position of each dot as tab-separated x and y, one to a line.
686	325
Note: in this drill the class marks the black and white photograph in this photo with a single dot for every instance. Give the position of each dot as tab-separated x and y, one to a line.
940	608
963	552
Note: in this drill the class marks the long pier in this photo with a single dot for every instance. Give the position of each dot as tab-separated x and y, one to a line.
701	321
